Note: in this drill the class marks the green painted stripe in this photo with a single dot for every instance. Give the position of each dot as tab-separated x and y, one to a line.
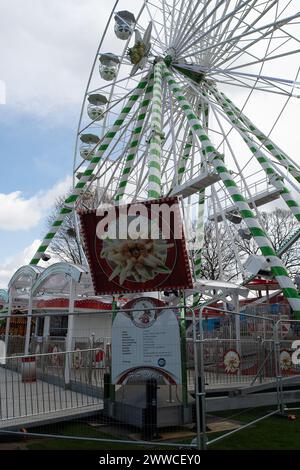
153	194
154	179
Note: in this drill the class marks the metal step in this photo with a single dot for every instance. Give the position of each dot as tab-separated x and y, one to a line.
259	199
194	185
293	381
289	242
254	400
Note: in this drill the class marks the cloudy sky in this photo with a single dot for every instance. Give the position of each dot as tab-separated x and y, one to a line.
46	52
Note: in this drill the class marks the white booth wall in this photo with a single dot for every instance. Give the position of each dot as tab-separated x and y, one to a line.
86	325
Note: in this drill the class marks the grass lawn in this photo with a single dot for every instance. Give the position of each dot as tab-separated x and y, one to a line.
62	444
82	430
75	429
274	433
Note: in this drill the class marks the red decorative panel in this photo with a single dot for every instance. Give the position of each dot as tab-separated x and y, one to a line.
124	263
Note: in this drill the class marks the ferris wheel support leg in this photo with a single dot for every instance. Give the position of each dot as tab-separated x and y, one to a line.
69	202
200	219
277	267
199	242
263	160
275	151
200	215
134	144
154	176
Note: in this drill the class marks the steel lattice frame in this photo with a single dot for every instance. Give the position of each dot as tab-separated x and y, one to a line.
160	135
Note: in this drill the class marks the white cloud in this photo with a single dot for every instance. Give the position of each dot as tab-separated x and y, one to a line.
19	213
2	92
47	52
9	266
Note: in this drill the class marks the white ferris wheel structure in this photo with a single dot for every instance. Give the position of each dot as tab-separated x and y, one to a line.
186	98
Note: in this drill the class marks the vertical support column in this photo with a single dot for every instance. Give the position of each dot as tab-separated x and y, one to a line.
277	267
199	242
204	108
46	326
154	178
237	325
112	393
36	327
28	324
7	327
200	392
69	339
278	371
149	429
199	234
46	331
183	350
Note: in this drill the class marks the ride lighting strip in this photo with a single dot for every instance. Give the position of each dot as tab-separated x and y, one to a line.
135	140
154	175
77	191
277	267
275	151
275	178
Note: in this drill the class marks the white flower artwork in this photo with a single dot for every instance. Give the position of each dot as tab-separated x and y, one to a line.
231	361
285	360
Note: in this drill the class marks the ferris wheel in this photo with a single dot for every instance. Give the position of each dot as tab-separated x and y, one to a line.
182	100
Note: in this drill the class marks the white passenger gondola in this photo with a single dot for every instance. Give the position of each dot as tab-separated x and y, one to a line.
124	24
88	146
108	66
96	106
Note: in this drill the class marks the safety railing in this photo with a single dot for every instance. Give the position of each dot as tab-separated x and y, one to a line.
258	360
258	186
236	362
70	383
40	384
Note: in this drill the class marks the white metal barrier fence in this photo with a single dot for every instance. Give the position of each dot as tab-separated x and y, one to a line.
67	383
49	383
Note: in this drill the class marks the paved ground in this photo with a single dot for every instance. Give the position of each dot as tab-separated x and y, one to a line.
214	381
21	403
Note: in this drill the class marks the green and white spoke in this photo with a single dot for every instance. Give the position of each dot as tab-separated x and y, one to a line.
274	177
204	113
77	191
154	176
134	144
281	156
